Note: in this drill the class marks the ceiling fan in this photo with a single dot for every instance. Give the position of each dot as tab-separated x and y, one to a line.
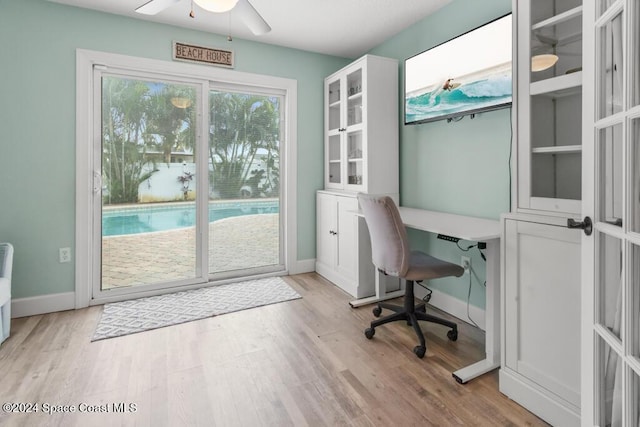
244	9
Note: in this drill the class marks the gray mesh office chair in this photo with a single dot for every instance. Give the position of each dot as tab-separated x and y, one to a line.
391	255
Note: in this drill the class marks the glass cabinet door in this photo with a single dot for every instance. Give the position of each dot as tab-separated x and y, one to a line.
335	159
344	134
334	98
554	107
334	123
354	88
354	158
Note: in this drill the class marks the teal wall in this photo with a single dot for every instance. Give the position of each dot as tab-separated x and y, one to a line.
460	167
37	118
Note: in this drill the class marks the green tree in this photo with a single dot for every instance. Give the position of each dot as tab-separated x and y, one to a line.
122	129
169	117
243	127
138	117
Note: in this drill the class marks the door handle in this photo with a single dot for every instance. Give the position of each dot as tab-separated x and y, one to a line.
586	225
97	182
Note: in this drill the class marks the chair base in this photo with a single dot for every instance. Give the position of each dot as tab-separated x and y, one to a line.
411	313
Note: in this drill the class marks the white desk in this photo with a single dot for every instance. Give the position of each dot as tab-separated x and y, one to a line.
465	228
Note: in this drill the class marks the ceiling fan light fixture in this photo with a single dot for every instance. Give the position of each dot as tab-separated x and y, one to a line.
180	102
542	62
218	6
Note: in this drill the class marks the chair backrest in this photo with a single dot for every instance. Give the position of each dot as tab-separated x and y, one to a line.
389	243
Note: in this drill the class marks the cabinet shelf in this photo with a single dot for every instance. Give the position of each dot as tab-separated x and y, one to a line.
564	85
557	19
335	104
557	149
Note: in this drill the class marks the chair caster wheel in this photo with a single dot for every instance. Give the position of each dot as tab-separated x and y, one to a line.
369	333
419	351
452	335
377	311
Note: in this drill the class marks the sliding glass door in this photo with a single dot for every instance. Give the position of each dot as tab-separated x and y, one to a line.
147	225
244	181
186	182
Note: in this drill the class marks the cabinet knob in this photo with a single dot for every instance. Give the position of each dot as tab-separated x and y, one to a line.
342	129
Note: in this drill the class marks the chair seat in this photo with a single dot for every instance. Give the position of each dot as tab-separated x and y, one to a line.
424	267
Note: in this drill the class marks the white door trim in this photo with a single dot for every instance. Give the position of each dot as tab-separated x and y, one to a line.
85	62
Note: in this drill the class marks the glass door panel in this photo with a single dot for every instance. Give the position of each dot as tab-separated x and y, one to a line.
148	160
609	284
244	182
635	175
335	159
634	409
610	145
334	105
355	158
611	69
556	39
610	372
354	107
635	55
634	267
603	6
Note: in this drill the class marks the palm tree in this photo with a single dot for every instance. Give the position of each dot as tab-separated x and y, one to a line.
241	127
122	128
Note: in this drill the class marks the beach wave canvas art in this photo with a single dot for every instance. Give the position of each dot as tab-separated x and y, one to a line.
465	75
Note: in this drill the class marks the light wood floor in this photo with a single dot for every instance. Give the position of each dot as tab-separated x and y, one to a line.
297	363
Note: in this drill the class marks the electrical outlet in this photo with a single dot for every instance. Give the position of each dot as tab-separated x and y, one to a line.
465	262
64	254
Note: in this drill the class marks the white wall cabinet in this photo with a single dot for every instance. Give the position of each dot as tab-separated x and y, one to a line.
336	238
541	300
361	155
540	255
361	127
549	106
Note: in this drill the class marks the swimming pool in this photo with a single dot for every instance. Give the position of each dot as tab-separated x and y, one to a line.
146	219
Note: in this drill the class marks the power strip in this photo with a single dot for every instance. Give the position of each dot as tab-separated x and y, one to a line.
448	238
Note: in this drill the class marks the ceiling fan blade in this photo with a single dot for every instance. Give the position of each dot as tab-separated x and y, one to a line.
154	7
252	18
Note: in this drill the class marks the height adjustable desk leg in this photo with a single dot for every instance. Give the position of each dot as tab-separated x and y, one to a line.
492	319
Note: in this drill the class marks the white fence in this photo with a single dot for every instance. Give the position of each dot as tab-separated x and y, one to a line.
164	185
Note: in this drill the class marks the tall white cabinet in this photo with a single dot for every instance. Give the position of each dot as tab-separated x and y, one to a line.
540	254
360	155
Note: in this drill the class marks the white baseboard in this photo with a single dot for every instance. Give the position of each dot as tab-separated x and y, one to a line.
454	306
303	266
31	306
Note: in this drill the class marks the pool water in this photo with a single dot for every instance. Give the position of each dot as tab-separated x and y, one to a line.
136	220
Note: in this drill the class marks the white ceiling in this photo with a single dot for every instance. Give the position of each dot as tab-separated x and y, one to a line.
345	28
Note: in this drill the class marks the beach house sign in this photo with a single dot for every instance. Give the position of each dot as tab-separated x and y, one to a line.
202	55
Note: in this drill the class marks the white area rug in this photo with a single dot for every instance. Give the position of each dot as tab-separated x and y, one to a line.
129	317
